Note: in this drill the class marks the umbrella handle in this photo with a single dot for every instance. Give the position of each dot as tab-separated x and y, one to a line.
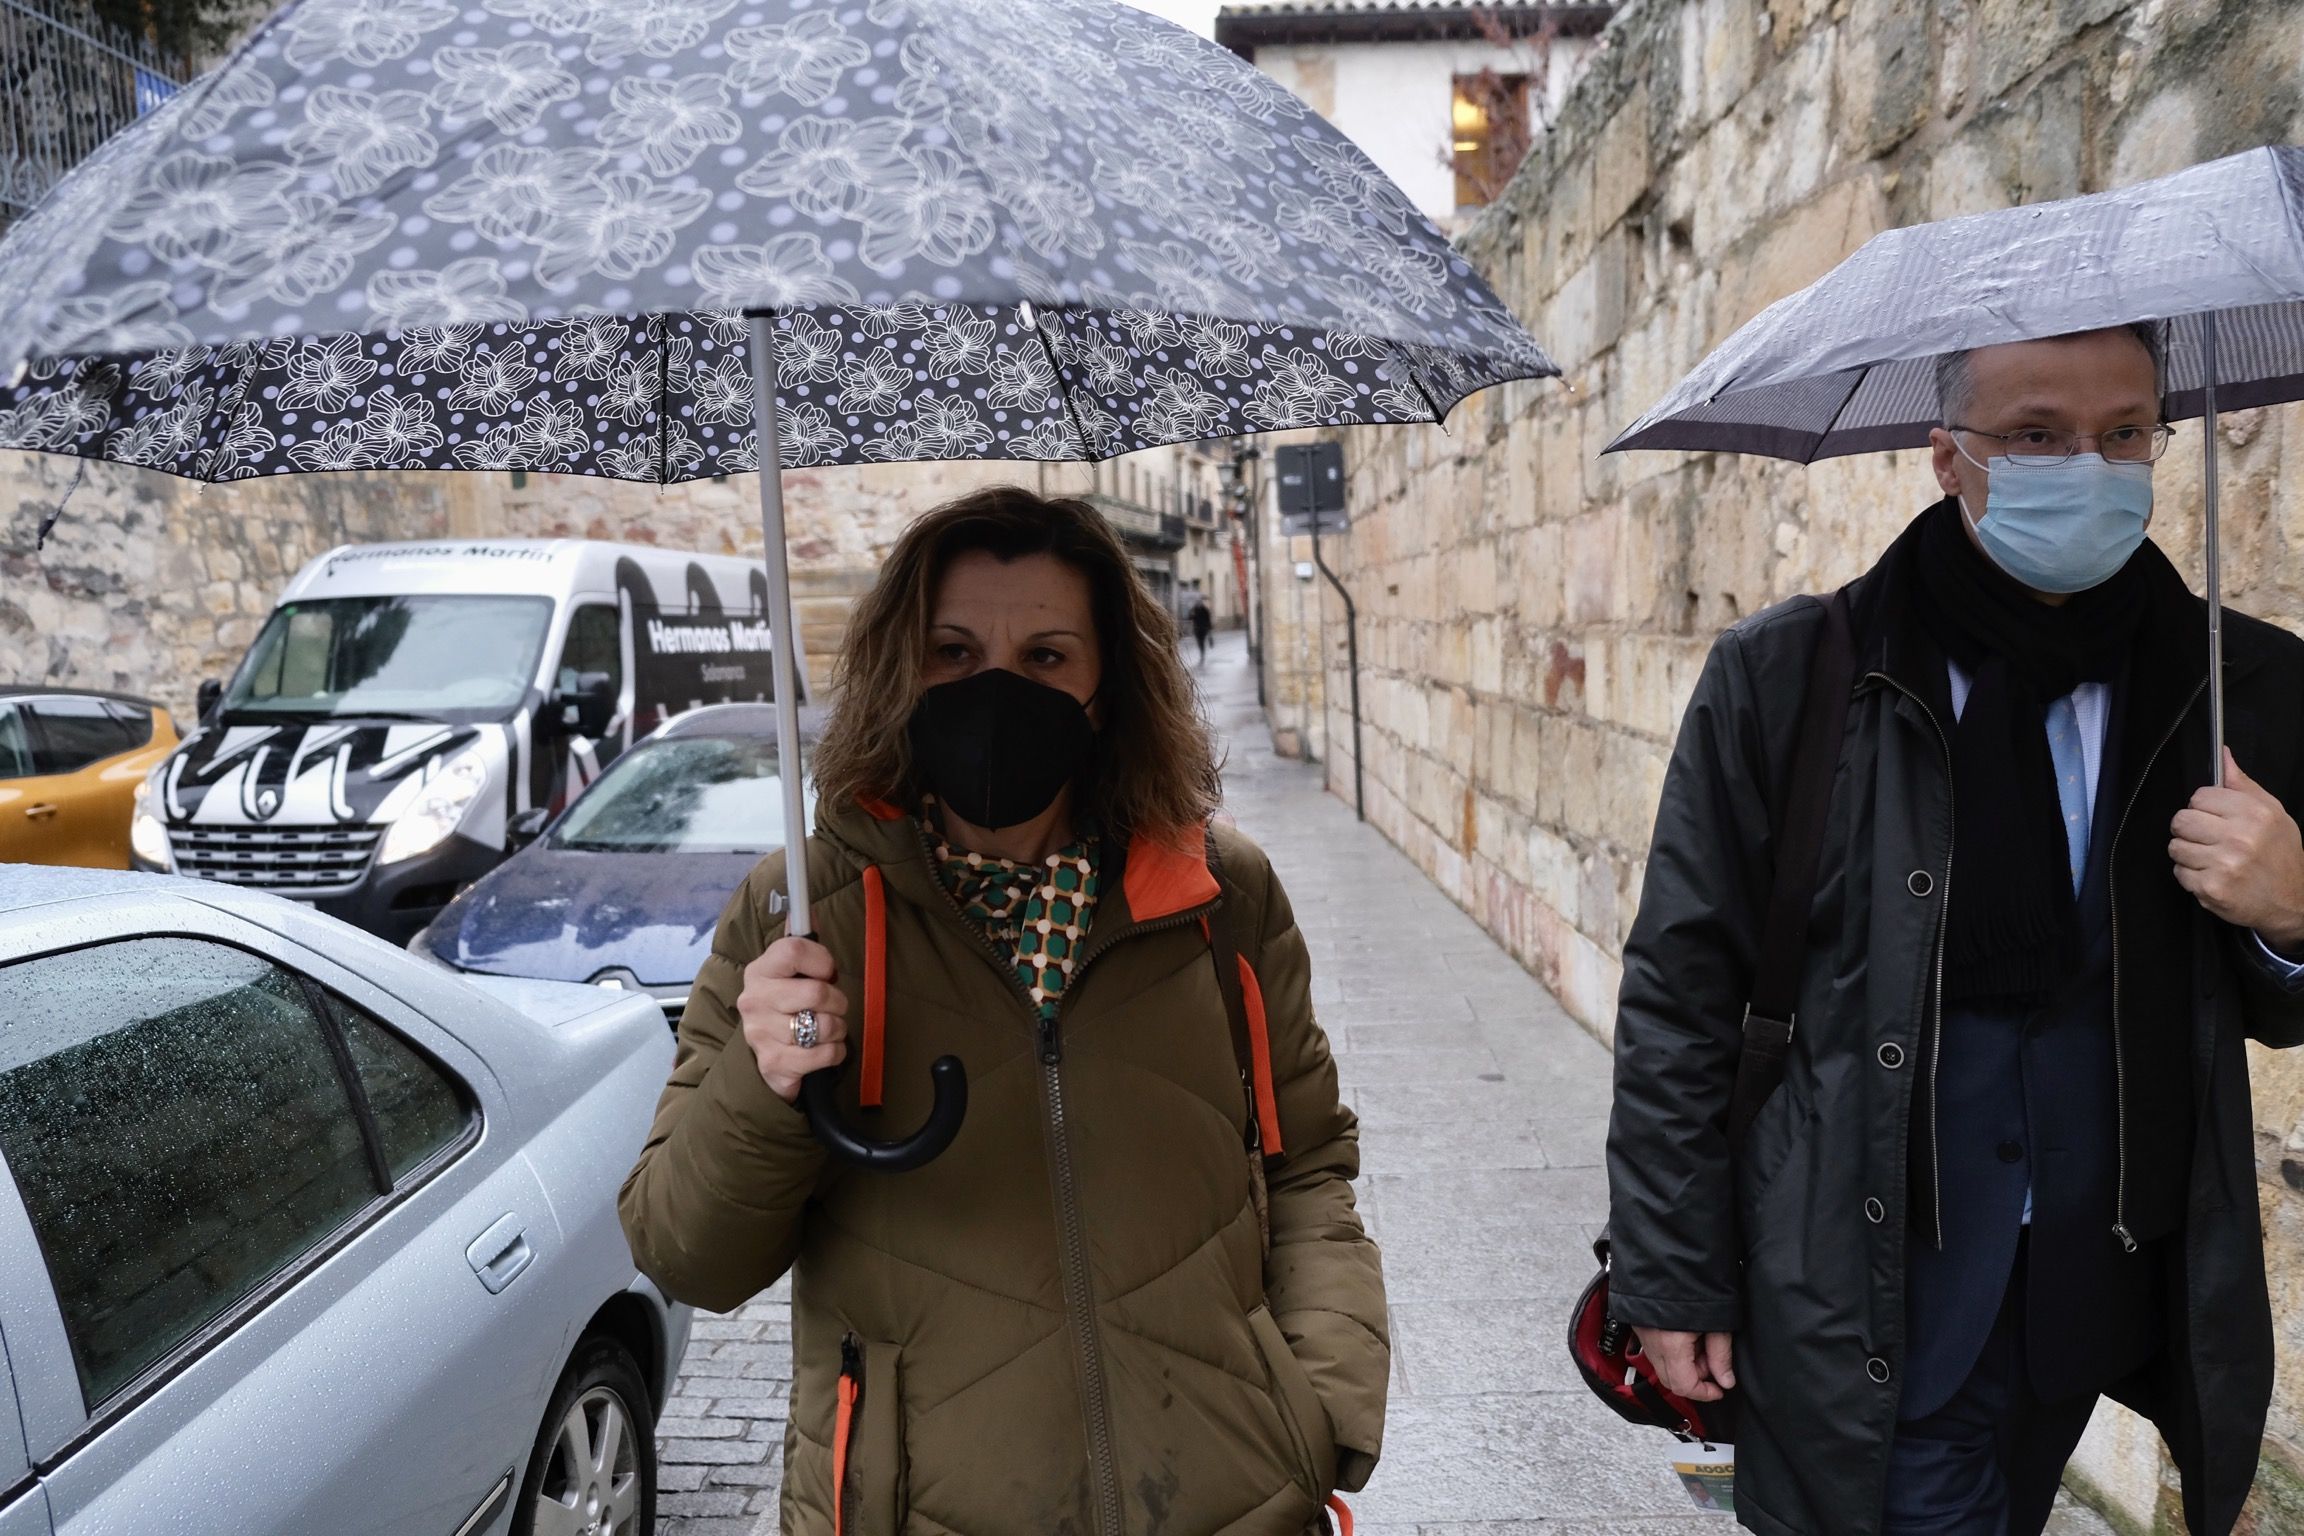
923	1146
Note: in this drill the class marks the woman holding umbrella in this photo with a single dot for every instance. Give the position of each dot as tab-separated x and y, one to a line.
1134	1294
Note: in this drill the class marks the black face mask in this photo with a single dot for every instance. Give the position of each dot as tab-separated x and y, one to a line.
996	749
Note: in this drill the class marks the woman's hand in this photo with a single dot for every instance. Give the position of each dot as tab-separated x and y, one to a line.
793	974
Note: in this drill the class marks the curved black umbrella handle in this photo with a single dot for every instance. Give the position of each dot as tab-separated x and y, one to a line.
916	1150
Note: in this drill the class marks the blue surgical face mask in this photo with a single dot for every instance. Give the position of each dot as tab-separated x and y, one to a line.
2064	527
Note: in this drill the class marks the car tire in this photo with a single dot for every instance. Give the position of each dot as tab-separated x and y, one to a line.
608	1487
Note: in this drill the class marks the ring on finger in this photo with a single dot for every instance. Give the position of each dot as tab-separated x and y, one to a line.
804	1033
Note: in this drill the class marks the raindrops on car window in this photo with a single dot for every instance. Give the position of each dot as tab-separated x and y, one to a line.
179	1132
686	795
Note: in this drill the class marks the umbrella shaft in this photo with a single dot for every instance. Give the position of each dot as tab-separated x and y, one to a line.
2212	549
783	630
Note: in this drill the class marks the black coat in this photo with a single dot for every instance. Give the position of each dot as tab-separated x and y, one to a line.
1800	1248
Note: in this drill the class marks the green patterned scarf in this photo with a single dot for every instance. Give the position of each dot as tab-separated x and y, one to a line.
1040	912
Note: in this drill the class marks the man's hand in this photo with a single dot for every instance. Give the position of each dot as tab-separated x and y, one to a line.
2238	850
1696	1366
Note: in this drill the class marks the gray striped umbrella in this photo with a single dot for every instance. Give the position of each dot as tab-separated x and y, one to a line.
1848	364
664	239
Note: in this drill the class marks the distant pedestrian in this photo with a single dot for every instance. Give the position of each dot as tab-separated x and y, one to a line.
1203	623
2010	1165
1134	1295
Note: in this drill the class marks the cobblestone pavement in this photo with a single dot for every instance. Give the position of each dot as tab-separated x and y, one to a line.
1483	1109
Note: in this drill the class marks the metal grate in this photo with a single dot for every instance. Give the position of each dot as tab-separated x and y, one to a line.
276	858
68	82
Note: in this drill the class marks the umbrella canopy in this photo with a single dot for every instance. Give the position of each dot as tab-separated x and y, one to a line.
1848	364
524	234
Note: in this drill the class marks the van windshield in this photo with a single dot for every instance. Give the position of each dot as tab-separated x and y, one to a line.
452	659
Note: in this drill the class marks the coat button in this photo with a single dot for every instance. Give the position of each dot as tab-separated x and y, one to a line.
2011	1152
1877	1369
1875	1212
1891	1055
1920	882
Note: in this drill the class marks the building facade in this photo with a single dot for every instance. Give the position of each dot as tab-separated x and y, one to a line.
1446	98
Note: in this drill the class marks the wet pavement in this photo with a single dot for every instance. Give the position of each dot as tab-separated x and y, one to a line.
1483	1110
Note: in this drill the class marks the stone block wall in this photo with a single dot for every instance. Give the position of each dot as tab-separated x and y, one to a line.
1534	615
149	583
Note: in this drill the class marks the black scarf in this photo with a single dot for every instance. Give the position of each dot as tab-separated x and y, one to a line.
2012	933
1963	606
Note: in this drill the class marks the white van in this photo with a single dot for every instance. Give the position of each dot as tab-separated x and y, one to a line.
410	711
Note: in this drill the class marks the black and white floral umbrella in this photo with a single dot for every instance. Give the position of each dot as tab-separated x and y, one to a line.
642	238
525	234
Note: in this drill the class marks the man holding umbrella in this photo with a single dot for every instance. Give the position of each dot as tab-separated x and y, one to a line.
2009	1167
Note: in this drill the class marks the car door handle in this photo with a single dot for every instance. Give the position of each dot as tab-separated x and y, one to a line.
35	812
500	1254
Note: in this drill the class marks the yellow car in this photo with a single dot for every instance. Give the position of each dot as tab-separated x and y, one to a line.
70	763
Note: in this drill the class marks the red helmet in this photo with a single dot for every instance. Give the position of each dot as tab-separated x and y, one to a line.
1607	1355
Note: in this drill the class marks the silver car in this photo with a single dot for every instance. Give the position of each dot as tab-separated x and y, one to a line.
303	1236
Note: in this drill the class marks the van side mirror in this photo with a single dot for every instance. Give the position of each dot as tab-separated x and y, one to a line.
589	706
206	698
525	827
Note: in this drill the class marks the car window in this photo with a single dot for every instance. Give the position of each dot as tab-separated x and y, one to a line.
684	794
15	746
74	732
134	720
418	1110
593	645
176	1123
455	657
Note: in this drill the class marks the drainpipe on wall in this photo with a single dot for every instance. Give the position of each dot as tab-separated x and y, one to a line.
1352	661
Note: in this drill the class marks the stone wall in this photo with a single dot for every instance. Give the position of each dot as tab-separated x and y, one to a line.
149	583
1534	615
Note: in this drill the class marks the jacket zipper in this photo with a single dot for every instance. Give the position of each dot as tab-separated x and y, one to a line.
1079	1287
1080	1294
1080	1297
2119	1052
1943	928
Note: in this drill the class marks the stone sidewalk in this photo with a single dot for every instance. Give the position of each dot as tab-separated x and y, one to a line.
1483	1110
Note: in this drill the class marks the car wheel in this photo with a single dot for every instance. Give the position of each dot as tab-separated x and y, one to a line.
593	1472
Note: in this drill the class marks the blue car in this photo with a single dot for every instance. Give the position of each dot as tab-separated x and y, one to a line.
624	887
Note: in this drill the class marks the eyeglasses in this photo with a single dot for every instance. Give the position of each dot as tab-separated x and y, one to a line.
2041	446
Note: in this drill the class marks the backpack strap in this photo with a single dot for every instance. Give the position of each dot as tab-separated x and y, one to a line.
1769	1016
1251	1045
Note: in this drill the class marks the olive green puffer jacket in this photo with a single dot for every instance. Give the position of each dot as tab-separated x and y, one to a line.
1066	1323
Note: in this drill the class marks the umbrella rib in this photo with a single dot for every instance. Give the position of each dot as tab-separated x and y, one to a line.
1833	421
1063	385
228	401
1439	417
663	401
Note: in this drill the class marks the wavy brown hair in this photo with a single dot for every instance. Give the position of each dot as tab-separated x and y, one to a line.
1154	767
